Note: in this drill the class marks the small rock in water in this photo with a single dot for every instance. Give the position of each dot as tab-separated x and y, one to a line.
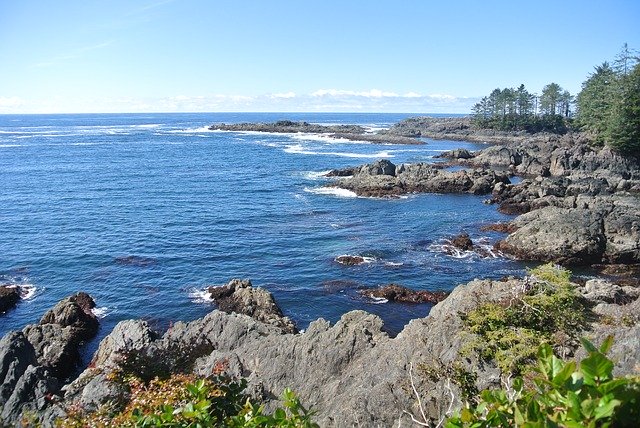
348	260
398	293
462	242
9	296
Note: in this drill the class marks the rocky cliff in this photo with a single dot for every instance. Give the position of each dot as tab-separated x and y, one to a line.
352	373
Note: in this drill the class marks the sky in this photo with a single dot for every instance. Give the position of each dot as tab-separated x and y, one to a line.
413	56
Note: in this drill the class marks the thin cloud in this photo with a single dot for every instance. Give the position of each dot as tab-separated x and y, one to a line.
74	54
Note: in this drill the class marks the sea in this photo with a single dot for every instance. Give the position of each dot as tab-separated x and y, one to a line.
145	211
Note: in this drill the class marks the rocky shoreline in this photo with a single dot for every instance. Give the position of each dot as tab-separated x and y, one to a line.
347	372
347	132
576	206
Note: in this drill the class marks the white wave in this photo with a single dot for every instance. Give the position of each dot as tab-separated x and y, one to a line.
325	138
27	291
101	312
377	300
300	150
333	191
315	175
451	251
393	264
198	295
189	130
11	145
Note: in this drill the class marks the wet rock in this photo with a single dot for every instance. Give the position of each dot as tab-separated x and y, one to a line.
384	179
138	261
398	293
462	242
9	297
456	154
499	227
349	260
241	297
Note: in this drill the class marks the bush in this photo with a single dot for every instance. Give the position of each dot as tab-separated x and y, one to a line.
567	394
547	310
184	401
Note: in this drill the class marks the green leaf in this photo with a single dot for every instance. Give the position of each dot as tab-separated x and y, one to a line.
586	344
606	345
596	368
606	410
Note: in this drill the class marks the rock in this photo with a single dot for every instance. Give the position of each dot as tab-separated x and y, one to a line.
456	154
16	354
602	291
621	274
349	260
129	335
350	132
32	393
462	242
566	236
398	293
74	312
384	179
241	297
9	297
499	227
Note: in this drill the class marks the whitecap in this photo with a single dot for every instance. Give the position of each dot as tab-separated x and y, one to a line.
11	145
197	130
300	150
378	300
100	312
199	295
333	191
27	291
315	175
393	264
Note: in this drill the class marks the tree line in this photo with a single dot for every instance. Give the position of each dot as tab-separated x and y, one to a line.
607	107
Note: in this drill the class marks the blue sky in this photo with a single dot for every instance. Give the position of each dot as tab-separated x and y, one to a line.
304	55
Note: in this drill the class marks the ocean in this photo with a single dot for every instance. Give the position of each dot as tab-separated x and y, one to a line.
143	211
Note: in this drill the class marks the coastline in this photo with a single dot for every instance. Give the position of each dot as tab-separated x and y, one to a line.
265	351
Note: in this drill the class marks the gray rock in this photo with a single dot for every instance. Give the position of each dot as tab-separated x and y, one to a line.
383	178
129	335
32	392
241	297
16	354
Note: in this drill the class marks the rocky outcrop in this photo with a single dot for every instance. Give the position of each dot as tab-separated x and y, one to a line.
384	179
349	132
36	361
9	297
351	370
241	297
398	293
349	260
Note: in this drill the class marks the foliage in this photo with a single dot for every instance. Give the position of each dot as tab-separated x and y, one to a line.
568	394
608	105
546	310
185	401
512	109
465	379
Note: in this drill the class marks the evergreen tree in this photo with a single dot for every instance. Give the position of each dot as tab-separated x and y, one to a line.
623	129
549	99
595	101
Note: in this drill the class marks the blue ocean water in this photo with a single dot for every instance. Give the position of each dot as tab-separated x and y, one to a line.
143	211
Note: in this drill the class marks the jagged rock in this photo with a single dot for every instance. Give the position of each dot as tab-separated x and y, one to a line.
499	227
398	293
349	260
462	242
383	178
456	154
32	392
129	335
241	297
9	297
61	331
567	236
16	354
351	132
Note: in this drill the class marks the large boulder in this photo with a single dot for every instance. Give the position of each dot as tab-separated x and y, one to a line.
567	236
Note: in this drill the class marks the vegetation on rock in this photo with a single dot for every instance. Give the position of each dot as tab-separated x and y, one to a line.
185	401
567	394
546	310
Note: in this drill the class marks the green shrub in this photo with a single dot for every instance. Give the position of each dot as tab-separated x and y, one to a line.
563	394
182	401
547	310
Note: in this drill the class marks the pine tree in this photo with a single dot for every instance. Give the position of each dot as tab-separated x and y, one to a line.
623	131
